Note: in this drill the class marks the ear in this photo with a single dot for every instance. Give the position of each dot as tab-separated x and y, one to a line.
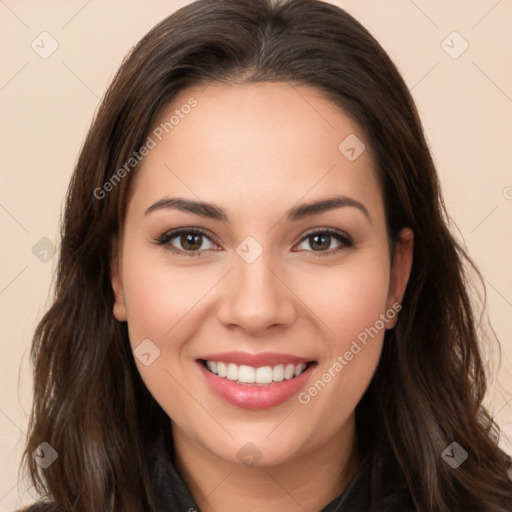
119	309
400	272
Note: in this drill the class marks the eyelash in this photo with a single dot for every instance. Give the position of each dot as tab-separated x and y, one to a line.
165	238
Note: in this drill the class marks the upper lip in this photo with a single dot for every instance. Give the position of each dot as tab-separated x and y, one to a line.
256	360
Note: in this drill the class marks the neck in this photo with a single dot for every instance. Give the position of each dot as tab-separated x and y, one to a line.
309	481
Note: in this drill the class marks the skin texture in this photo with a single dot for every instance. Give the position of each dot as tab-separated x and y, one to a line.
258	150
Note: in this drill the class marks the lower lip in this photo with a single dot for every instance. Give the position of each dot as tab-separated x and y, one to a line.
255	397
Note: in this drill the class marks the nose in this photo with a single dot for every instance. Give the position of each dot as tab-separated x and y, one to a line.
256	297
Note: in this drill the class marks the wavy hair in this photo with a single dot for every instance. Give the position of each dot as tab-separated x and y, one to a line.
90	403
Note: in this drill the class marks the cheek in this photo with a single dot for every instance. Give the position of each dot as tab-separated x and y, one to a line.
346	299
350	302
163	303
160	305
159	297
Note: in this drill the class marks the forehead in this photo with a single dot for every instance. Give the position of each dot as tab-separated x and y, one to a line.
255	146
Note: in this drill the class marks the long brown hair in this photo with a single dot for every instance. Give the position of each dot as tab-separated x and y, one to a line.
90	403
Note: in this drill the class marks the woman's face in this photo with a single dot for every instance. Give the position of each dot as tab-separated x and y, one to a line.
287	302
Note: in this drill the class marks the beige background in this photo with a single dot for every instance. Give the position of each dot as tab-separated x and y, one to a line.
47	105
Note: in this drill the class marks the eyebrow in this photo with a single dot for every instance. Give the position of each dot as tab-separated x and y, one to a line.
212	211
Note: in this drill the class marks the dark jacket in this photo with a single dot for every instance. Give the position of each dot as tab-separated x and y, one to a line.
377	486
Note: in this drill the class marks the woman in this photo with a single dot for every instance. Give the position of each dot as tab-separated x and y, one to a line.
259	304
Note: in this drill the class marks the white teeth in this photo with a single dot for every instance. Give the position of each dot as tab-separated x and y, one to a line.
212	366
221	369
264	375
246	374
251	375
232	371
288	371
278	373
299	369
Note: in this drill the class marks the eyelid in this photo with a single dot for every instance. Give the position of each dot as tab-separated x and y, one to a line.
330	231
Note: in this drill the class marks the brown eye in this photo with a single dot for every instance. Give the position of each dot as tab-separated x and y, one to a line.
321	241
189	242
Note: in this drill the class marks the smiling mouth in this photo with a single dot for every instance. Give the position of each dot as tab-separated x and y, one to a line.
261	376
